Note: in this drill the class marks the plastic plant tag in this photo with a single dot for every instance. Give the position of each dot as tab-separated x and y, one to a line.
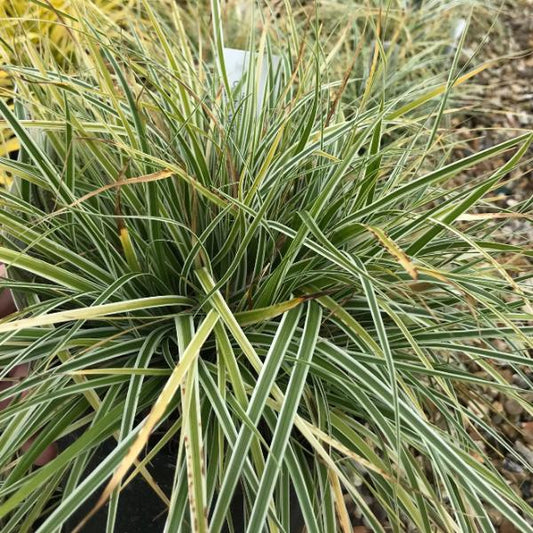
237	63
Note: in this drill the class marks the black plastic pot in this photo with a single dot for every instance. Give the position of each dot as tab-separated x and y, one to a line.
141	511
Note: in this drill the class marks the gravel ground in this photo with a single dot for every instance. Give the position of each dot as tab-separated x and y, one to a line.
502	101
508	92
502	107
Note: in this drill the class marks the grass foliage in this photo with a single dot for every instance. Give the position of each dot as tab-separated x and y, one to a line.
291	293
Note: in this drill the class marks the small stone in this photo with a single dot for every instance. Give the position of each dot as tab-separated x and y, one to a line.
349	503
527	431
527	490
498	407
524	451
513	407
490	392
497	419
509	431
512	466
507	527
481	445
507	374
495	517
519	381
501	345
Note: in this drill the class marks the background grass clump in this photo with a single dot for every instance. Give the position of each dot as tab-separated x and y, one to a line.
35	32
413	38
291	293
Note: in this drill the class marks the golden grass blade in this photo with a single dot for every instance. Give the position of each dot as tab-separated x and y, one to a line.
394	250
161	174
468	217
97	311
340	504
246	318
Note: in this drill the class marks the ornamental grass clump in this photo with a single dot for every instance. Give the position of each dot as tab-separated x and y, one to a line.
285	286
35	31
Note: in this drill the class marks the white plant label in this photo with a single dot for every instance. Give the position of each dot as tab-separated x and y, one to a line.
237	63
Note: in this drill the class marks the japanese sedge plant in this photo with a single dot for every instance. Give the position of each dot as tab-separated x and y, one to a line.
191	266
